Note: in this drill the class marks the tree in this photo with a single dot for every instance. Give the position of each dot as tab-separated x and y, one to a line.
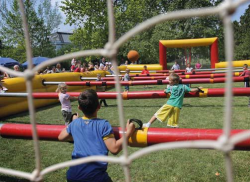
242	36
42	20
91	18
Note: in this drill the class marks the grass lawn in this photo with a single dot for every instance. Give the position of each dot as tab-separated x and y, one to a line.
171	165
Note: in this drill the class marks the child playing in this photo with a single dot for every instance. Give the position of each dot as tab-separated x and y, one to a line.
145	71
246	73
189	69
101	89
65	102
92	136
126	78
174	104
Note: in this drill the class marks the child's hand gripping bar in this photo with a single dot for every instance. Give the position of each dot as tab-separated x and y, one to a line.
138	123
199	90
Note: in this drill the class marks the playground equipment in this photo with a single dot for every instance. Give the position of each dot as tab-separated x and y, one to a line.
148	82
188	43
164	77
239	63
225	145
10	106
141	138
180	73
207	92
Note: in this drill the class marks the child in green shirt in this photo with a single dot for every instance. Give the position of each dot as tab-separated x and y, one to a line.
172	108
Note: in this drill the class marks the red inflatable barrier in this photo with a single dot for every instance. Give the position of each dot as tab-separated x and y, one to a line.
181	76
149	82
210	92
145	137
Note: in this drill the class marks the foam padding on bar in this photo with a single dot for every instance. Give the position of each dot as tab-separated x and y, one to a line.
139	138
237	74
125	95
203	94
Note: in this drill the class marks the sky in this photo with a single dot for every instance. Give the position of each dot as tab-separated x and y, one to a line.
67	28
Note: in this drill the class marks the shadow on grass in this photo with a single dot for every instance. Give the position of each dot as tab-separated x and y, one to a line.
11	179
130	106
190	105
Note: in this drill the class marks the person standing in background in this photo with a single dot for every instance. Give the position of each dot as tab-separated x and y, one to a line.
175	66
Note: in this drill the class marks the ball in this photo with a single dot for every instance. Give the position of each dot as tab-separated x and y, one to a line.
133	56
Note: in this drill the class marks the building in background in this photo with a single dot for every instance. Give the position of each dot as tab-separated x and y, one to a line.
59	39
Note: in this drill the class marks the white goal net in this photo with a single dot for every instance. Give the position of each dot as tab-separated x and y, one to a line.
225	143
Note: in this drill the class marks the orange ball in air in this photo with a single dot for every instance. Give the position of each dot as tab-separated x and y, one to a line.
133	56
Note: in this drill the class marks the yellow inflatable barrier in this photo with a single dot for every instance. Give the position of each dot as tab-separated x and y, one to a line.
235	64
139	67
14	105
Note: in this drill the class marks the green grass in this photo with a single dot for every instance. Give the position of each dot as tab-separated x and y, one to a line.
171	165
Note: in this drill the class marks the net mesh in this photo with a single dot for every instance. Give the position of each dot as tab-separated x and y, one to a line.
225	142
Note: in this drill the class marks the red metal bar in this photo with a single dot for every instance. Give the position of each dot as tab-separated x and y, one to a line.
183	76
153	82
182	73
211	92
154	135
167	71
164	77
162	135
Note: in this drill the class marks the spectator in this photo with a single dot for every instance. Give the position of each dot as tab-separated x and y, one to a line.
103	62
58	68
73	67
189	69
198	65
47	70
16	68
53	70
73	62
91	67
126	78
175	66
101	89
96	67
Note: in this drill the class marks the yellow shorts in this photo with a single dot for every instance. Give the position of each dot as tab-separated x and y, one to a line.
167	111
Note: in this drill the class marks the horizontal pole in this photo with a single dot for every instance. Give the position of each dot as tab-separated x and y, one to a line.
164	77
197	70
141	138
167	74
153	94
147	82
150	71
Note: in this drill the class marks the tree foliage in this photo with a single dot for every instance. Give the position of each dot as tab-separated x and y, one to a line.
242	36
42	20
91	19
